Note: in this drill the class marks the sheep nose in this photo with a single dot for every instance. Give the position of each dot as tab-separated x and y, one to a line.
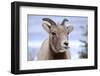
65	43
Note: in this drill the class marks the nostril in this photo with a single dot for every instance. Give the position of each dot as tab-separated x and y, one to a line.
66	44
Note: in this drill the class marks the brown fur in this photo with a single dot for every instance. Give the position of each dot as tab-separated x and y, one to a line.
54	48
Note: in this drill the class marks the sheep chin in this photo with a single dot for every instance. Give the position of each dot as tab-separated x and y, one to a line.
61	51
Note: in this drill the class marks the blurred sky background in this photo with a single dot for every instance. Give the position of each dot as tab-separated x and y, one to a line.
36	34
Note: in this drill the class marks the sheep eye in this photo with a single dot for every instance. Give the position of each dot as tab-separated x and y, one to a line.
53	33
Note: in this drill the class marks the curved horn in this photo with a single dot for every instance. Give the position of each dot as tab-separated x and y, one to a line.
49	20
63	22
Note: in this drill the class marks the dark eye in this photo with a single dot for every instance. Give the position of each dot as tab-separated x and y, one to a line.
53	33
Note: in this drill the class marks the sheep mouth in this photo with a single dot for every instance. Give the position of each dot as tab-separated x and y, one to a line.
64	49
67	47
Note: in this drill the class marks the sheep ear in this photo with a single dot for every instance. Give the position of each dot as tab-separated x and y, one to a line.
70	29
47	23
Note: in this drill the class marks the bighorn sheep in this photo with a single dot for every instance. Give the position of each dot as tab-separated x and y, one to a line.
56	46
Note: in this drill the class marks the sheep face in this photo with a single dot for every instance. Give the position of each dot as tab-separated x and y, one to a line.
58	34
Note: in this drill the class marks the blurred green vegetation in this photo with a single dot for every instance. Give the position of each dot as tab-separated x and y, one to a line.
84	52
